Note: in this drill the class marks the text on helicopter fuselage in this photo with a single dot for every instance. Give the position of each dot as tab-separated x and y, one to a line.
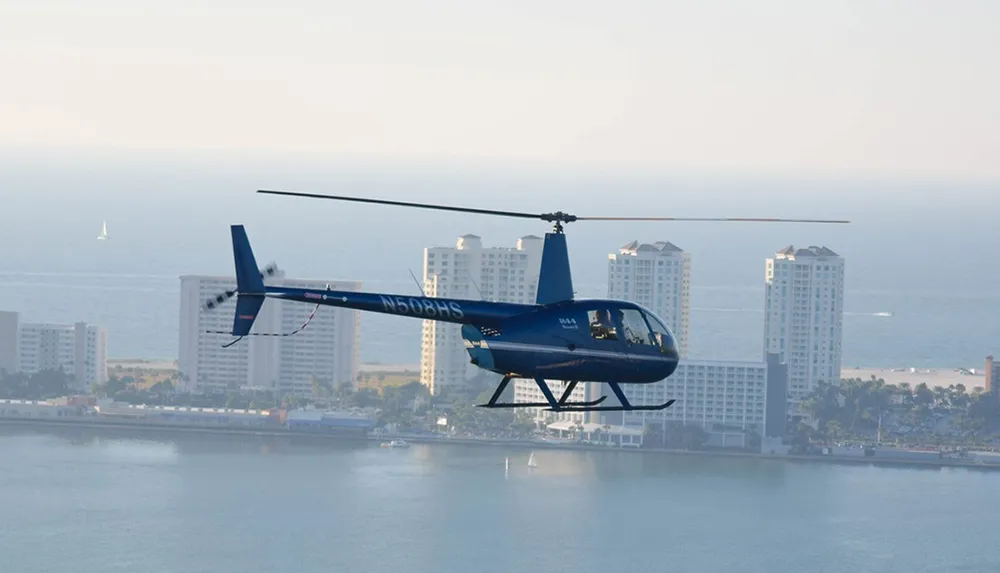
422	307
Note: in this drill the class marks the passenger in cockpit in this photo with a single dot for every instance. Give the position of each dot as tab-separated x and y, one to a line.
601	326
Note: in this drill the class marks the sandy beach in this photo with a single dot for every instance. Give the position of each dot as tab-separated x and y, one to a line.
931	376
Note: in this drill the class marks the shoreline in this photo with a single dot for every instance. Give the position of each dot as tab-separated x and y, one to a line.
934	377
536	445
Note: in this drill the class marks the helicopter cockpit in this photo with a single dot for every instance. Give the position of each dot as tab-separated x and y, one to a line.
639	327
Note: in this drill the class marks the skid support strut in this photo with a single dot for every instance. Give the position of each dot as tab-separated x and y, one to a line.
550	400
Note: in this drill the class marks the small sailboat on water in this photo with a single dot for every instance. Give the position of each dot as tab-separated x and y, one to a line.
104	232
531	461
506	466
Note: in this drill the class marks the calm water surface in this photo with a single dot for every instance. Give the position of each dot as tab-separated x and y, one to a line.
99	501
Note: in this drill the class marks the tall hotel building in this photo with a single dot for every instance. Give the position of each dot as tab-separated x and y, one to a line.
803	316
657	276
469	271
326	349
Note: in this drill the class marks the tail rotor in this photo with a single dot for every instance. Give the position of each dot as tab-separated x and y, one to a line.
220	299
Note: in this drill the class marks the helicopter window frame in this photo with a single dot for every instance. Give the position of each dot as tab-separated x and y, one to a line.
628	318
655	322
657	326
599	331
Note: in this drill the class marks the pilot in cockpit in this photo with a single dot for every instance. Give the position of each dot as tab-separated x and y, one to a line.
601	327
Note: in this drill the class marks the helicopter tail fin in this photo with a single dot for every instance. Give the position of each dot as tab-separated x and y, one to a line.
250	287
555	282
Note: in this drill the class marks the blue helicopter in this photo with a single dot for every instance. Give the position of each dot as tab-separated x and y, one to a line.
558	338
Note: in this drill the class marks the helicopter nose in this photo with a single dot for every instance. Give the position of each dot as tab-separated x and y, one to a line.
671	363
671	358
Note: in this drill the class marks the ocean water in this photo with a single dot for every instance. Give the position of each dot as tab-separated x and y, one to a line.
924	251
107	502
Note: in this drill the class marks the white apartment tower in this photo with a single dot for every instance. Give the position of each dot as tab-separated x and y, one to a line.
657	276
469	271
326	349
803	316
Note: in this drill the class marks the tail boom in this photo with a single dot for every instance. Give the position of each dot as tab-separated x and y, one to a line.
251	292
442	309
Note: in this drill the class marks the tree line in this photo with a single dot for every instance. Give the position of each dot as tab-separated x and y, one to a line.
854	409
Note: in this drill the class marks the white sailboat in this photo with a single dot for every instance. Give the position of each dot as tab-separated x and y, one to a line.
104	232
506	466
531	461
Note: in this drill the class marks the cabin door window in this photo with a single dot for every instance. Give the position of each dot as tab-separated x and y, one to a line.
601	326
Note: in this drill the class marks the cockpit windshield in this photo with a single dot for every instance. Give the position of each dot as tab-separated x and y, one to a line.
661	332
636	331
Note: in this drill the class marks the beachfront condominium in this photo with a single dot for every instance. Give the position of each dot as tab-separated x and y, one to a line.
803	316
325	351
657	276
80	350
471	272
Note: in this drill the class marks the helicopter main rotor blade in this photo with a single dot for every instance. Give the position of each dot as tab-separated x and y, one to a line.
724	219
557	217
407	204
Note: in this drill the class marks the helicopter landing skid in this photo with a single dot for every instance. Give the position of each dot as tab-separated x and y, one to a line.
561	404
626	406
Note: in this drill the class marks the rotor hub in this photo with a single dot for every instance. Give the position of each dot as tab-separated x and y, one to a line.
558	217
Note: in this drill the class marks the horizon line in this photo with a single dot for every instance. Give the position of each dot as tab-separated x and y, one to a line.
509	167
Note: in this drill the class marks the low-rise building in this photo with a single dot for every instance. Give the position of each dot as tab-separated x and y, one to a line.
728	400
80	350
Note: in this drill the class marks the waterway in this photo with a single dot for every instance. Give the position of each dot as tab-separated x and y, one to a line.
93	501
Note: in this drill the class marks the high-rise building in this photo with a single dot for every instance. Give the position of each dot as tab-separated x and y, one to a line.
469	271
993	377
326	350
80	350
657	276
803	316
728	400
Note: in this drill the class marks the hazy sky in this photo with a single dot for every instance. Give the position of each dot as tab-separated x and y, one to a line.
904	87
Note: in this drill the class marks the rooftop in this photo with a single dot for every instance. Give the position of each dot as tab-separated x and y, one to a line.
664	247
811	251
